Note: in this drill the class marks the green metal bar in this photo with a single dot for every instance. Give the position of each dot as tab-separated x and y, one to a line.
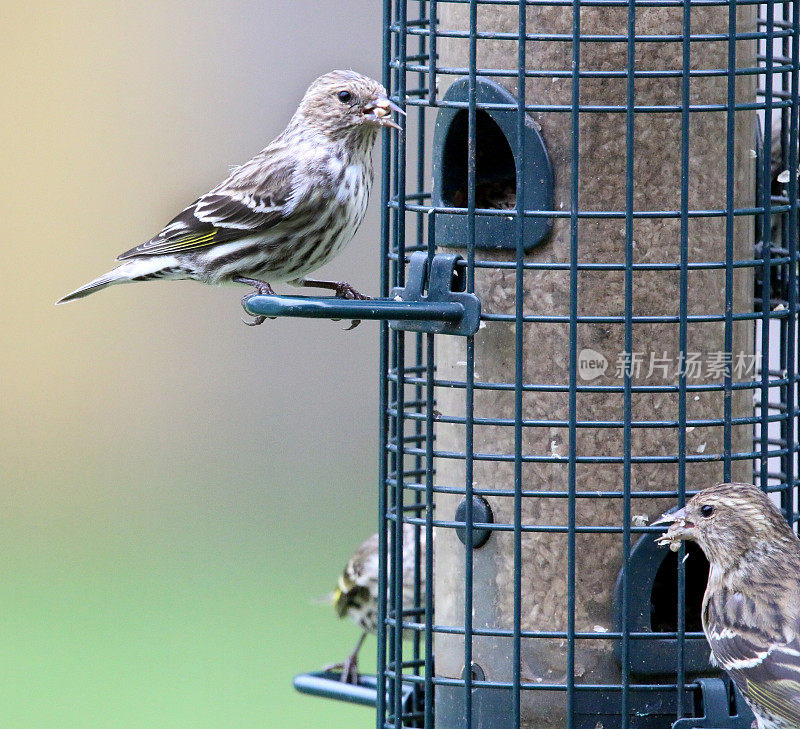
328	685
683	335
327	307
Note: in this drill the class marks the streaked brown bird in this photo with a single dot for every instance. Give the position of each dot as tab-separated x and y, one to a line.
751	606
283	214
356	595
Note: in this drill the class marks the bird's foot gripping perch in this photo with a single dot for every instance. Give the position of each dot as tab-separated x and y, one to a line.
349	667
350	670
347	670
341	289
262	288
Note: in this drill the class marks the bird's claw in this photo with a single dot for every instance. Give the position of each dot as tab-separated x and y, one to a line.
350	673
256	321
259	319
344	290
263	289
353	324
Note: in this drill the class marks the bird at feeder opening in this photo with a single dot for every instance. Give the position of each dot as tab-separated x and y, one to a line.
751	606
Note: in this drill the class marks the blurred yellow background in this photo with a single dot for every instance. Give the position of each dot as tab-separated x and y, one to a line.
178	489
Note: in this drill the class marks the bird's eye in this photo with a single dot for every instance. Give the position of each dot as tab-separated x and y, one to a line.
344	96
706	510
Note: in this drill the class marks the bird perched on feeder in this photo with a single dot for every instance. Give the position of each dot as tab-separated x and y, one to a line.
356	595
283	214
751	607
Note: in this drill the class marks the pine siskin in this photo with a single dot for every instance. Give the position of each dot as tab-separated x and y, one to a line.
287	211
356	595
751	607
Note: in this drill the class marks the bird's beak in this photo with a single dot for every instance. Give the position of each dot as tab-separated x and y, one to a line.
680	528
380	110
670	517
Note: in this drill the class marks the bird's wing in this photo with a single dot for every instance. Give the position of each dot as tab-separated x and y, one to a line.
360	575
766	669
256	196
362	569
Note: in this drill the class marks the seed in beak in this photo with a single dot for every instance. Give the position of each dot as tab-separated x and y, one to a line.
387	106
381	108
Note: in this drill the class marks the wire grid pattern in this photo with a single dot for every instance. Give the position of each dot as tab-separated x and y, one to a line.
410	384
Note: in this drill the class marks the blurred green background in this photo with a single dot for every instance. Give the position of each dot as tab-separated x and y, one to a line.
179	490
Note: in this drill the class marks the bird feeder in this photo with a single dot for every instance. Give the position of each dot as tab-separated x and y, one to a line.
598	166
595	203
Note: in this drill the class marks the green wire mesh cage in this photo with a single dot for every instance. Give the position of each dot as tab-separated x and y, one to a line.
619	179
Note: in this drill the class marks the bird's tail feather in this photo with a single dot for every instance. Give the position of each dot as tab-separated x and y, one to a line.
101	282
136	270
